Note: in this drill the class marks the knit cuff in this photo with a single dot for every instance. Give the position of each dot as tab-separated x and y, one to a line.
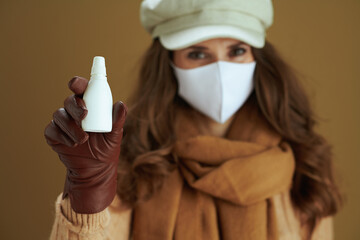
83	224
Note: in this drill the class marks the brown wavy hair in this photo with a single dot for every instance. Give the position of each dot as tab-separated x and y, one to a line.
146	156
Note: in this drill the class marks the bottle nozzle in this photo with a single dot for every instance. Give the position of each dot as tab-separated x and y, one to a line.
98	66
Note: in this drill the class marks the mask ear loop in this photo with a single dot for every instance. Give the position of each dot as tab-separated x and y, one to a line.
172	64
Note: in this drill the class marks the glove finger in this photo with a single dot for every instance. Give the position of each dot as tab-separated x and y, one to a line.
119	115
67	124
75	106
78	85
55	136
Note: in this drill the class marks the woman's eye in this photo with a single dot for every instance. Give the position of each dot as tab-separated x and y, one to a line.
238	52
196	55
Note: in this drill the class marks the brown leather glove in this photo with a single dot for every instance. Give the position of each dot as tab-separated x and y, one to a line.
91	159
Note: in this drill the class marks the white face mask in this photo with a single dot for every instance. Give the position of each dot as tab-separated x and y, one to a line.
218	89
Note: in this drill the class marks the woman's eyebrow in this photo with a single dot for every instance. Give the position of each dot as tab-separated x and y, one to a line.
198	47
236	44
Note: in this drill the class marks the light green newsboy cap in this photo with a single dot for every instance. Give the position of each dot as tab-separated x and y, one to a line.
181	23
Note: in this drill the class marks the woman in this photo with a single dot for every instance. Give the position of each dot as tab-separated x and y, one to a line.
218	142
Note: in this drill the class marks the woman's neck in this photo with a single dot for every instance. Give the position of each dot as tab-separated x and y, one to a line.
214	128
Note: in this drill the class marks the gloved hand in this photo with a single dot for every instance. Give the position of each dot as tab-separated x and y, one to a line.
91	159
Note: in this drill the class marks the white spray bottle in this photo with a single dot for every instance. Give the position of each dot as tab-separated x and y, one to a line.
98	100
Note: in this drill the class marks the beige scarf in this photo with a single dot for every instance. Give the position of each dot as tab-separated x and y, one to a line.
222	186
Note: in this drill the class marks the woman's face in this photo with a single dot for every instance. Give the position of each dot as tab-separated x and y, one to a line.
209	51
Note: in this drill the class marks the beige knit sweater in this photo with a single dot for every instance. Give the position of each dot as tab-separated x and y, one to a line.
110	224
115	222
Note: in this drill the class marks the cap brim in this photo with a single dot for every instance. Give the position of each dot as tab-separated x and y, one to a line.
191	36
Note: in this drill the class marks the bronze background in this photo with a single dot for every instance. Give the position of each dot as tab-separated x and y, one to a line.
43	44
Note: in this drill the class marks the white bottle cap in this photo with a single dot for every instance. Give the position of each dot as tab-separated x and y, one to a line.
98	66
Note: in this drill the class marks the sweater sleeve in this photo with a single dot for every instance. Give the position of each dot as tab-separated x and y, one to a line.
111	223
324	230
